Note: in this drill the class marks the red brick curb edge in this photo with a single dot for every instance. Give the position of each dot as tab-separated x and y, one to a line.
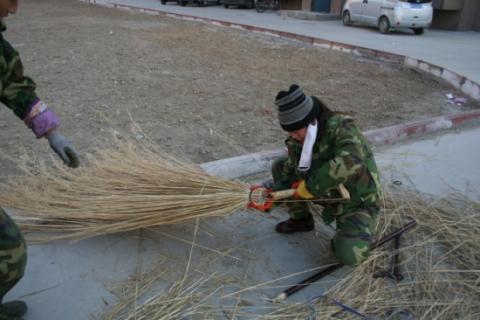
255	163
400	132
467	86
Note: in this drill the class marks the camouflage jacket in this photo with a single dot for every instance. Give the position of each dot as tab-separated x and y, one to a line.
341	154
17	92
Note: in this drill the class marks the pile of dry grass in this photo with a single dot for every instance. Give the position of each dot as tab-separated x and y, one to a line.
439	260
122	189
181	301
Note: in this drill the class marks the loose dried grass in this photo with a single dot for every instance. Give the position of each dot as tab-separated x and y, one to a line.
439	260
180	301
122	189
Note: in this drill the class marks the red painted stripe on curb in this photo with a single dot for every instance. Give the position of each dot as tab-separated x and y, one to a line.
255	163
399	132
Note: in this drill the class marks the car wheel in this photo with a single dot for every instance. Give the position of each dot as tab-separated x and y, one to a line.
418	30
383	25
163	1
183	3
225	6
346	19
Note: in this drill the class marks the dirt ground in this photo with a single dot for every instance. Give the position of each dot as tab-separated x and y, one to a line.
199	91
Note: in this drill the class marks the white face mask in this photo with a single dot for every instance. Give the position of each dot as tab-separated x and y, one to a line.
306	157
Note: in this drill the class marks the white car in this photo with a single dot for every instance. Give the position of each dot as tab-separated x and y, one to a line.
388	14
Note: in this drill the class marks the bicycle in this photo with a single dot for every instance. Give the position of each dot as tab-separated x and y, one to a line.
262	5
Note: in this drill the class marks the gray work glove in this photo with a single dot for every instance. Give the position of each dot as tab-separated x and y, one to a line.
63	148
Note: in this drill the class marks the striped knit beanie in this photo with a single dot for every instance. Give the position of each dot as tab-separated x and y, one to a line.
295	109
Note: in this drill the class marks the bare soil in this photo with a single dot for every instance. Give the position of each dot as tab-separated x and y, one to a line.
199	91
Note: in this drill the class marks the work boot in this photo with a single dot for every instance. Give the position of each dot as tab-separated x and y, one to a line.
14	309
292	226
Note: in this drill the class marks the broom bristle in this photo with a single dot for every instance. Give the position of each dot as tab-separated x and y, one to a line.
119	190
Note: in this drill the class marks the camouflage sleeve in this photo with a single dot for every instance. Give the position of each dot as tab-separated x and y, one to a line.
346	164
287	170
17	92
283	169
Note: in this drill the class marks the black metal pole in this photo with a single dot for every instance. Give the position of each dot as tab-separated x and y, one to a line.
291	290
396	257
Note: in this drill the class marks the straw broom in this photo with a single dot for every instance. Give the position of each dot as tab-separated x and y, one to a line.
119	190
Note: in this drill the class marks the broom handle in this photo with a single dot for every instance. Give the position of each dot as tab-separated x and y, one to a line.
344	192
284	194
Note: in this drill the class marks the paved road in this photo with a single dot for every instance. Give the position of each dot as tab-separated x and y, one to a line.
456	51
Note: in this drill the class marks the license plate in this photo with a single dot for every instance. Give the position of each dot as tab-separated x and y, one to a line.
416	5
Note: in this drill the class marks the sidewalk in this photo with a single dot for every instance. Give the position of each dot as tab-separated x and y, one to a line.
452	50
437	165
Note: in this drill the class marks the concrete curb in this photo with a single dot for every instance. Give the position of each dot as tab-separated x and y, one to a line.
255	163
467	86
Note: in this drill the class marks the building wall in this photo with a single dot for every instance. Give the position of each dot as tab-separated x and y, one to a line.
445	19
293	5
469	14
476	22
467	18
306	5
336	6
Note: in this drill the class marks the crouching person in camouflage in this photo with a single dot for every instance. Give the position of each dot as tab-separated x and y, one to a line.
326	149
18	93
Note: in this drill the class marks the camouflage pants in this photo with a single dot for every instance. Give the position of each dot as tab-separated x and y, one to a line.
354	232
13	254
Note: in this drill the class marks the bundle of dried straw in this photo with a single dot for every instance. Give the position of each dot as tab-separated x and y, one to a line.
439	260
123	189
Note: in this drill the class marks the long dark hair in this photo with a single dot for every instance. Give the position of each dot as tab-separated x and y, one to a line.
325	114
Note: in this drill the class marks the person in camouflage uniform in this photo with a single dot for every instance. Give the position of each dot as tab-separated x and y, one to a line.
339	154
17	92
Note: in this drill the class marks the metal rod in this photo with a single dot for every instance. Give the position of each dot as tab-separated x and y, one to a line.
305	283
392	235
396	257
